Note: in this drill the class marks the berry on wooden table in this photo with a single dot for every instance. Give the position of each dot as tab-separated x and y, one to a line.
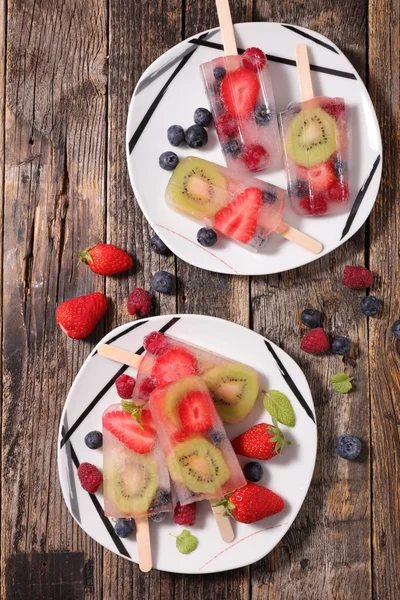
311	318
139	302
106	259
370	306
79	316
158	246
357	277
396	329
315	341
163	282
348	446
341	345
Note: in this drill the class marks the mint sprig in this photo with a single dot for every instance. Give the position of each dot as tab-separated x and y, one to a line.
341	382
185	542
279	407
134	410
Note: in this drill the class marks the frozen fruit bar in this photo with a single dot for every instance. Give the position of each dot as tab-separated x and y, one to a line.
201	461
242	103
315	144
136	481
234	387
237	205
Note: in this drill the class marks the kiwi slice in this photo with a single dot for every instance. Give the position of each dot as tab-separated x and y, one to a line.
198	465
131	481
197	188
234	389
311	137
176	392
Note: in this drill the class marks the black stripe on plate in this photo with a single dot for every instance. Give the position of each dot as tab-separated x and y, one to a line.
134	139
124	332
360	197
279	59
290	381
105	389
115	538
310	37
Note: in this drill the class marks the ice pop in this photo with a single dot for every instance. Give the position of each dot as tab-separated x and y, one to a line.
243	208
315	148
234	386
201	461
242	103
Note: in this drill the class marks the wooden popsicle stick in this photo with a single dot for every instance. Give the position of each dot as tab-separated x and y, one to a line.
133	360
299	238
304	73
143	544
226	25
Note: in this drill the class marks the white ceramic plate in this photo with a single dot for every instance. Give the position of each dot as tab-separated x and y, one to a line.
171	89
289	475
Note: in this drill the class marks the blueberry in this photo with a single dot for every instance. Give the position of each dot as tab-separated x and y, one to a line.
311	318
268	196
158	517
348	446
396	329
158	246
168	161
175	135
370	306
163	282
300	188
216	437
219	73
162	498
123	527
262	114
196	136
232	146
340	168
202	116
206	237
253	471
340	345
94	440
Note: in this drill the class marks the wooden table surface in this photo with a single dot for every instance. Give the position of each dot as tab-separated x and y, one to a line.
67	71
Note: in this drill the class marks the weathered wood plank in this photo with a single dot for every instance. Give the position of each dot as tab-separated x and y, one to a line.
3	11
384	352
326	553
54	205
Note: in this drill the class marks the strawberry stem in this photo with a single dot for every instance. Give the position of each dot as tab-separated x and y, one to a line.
84	256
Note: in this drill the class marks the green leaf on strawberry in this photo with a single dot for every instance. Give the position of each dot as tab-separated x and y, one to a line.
279	407
341	383
135	411
186	542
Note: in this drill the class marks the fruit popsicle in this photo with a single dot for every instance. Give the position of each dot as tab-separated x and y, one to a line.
200	459
243	208
315	148
234	387
135	478
242	103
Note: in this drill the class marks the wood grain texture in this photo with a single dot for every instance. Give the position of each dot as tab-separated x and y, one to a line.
384	86
326	553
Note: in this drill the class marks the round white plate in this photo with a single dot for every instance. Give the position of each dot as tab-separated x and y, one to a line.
172	88
288	475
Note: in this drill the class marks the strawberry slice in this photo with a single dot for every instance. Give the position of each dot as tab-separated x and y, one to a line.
126	430
238	219
195	413
321	177
239	91
174	364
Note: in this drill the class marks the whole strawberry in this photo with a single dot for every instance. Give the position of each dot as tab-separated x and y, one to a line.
79	316
252	503
315	341
262	441
106	259
90	477
185	515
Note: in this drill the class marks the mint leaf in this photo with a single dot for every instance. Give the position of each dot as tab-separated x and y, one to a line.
127	406
279	407
341	382
134	410
186	542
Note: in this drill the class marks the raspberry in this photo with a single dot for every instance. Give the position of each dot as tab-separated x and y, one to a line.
90	477
139	302
125	385
156	343
185	515
145	388
334	107
357	277
254	59
339	192
252	156
315	341
226	125
315	206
